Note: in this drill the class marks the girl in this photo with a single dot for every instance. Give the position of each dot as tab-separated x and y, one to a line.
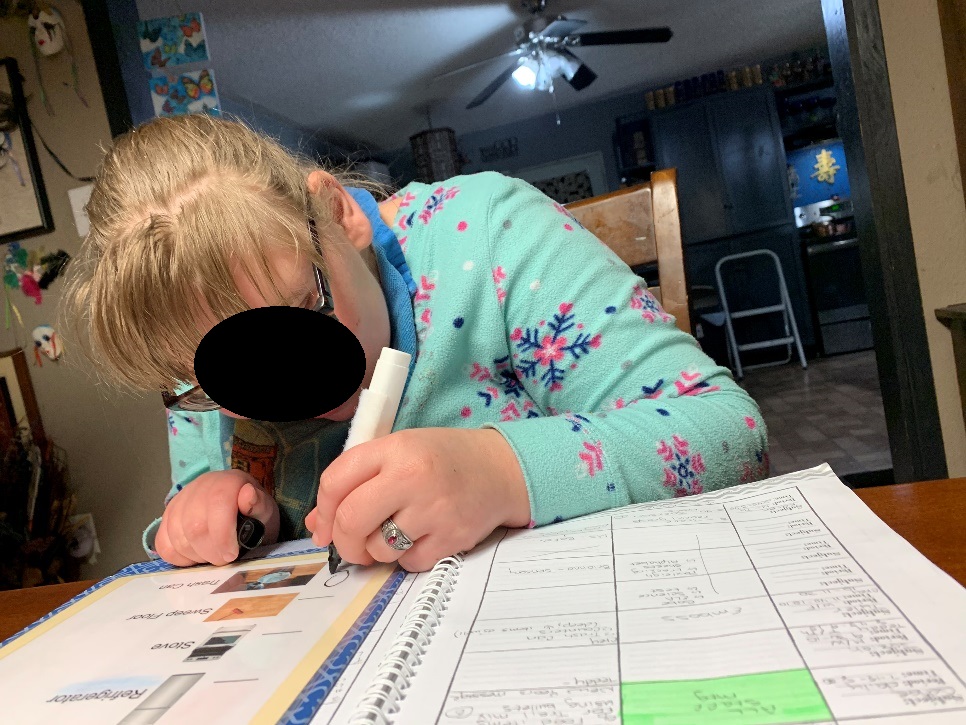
544	384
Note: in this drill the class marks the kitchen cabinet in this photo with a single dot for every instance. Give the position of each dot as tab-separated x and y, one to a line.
730	158
683	140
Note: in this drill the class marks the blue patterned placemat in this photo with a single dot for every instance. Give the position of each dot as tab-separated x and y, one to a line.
142	567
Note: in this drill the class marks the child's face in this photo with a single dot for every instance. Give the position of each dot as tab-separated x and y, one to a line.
357	293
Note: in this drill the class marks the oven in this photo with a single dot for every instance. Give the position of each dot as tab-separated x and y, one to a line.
833	270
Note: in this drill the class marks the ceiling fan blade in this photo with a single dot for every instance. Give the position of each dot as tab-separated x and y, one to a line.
624	37
561	28
492	88
477	64
583	76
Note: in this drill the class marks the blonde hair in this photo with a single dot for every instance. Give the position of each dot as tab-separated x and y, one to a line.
179	204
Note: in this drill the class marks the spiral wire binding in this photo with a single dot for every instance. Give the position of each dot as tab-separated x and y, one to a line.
406	651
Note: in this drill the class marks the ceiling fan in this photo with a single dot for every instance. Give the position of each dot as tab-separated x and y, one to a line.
543	52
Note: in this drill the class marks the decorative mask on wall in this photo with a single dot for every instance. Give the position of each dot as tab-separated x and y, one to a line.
48	37
47	30
46	342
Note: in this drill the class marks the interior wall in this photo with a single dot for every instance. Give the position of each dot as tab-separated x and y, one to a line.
116	445
952	19
934	188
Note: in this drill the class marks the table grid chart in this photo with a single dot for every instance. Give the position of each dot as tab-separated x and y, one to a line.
733	610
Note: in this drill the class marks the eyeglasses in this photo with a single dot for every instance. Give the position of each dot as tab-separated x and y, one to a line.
195	400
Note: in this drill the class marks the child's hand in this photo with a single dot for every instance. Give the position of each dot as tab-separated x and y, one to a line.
199	524
446	489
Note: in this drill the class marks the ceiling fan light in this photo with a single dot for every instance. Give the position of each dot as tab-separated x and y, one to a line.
525	75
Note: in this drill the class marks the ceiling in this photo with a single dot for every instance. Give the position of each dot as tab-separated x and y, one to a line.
362	70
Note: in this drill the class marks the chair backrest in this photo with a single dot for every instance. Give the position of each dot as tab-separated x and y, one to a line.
642	225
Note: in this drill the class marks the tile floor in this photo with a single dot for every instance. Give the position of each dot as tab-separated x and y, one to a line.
831	412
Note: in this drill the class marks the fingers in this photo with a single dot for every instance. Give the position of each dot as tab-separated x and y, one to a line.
344	475
200	524
361	514
310	521
212	526
167	550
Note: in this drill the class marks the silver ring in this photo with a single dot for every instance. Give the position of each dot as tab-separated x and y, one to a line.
394	537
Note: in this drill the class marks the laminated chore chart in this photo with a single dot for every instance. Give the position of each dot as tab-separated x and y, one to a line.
782	602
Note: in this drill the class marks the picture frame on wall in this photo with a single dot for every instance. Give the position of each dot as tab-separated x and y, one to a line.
24	209
568	180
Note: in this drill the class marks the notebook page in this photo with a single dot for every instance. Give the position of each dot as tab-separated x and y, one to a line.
780	602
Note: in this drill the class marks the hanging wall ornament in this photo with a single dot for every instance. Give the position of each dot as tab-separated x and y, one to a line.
47	30
48	38
46	343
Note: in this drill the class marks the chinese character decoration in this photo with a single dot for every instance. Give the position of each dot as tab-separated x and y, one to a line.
825	167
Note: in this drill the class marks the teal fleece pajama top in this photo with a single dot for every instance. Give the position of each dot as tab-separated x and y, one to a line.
521	320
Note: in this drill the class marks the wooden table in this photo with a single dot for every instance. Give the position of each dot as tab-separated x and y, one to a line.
930	515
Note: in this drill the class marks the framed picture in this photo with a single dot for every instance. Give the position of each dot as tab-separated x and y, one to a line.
567	180
24	210
18	403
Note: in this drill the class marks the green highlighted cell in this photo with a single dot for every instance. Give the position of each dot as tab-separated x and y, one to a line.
771	698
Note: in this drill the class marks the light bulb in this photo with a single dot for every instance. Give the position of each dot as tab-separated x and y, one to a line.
525	75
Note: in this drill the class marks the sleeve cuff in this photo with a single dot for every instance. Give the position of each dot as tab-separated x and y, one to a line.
147	538
563	477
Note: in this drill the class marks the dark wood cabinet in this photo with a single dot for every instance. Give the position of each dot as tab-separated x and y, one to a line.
683	139
751	157
728	151
734	197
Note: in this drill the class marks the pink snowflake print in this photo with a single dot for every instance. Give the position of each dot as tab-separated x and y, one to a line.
571	222
466	412
577	421
480	373
653	392
425	289
687	385
512	411
683	467
755	470
436	201
498	380
462	227
498	276
750	422
593	457
644	301
406	220
548	350
421	308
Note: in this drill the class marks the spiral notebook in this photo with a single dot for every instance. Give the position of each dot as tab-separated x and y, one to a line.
785	601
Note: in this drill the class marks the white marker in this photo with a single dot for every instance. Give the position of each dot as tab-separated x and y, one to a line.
379	403
376	412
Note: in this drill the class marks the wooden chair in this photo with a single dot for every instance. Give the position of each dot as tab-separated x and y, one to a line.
642	225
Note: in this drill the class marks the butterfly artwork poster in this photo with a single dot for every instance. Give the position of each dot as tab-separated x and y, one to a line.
185	93
174	40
